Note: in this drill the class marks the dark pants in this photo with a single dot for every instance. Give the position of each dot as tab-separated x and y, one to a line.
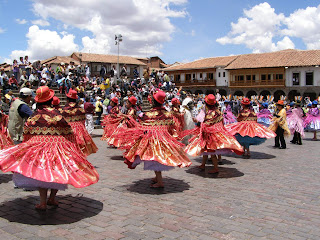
297	138
280	138
99	117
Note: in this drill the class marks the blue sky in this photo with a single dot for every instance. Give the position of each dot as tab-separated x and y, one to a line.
176	30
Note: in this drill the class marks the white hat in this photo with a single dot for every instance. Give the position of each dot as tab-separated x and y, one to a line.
26	91
186	101
99	98
62	63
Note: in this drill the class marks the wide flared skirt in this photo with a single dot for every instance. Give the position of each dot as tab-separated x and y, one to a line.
21	181
312	123
5	140
154	145
247	141
51	159
83	138
212	139
110	124
296	125
251	129
229	118
116	139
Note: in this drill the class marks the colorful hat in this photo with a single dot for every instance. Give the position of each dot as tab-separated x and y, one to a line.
309	105
72	94
280	102
210	99
245	101
159	96
265	105
315	102
292	104
133	100
115	100
43	94
55	101
175	101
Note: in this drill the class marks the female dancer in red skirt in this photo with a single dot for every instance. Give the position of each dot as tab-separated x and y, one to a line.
5	139
247	130
111	121
127	120
153	144
49	157
211	137
76	117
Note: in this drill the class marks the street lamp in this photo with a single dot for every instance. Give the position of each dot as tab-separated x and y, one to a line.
118	39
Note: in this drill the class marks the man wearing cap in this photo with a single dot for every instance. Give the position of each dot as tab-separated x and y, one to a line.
280	126
19	112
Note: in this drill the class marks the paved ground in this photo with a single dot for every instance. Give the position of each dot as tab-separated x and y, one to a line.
273	195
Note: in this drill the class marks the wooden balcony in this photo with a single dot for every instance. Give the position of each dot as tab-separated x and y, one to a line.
196	83
258	83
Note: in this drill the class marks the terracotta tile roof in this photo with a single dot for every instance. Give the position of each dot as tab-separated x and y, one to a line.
285	58
204	63
60	59
103	58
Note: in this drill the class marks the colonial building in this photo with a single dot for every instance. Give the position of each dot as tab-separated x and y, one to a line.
288	72
202	76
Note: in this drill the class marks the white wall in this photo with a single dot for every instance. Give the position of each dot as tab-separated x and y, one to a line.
302	71
222	81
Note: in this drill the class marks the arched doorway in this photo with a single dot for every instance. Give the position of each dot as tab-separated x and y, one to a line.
251	93
210	91
265	93
277	95
311	95
223	92
292	94
238	93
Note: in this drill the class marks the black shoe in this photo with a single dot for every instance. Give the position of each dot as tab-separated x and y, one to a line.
276	146
299	143
282	147
294	142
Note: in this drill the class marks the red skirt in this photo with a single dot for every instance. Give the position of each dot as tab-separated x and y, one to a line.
154	144
251	129
116	138
53	159
5	140
110	124
211	139
83	138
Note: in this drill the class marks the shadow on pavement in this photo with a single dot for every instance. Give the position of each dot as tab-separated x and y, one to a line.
118	158
171	186
5	178
258	155
223	172
310	139
71	209
223	161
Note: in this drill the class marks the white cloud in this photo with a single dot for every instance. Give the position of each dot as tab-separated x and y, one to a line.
2	30
40	22
193	33
43	44
140	22
257	30
21	21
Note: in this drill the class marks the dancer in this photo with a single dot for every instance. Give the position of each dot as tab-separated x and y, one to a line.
295	123
76	117
111	121
153	144
126	120
189	122
247	131
177	114
211	137
49	157
5	139
56	103
228	116
312	122
279	125
264	115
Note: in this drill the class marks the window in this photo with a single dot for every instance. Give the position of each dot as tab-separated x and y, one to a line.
309	78
248	77
240	78
194	76
200	75
224	74
253	77
279	76
188	77
295	79
219	74
210	76
263	77
177	78
269	76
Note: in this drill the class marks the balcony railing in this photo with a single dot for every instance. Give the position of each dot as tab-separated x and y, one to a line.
259	83
196	83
